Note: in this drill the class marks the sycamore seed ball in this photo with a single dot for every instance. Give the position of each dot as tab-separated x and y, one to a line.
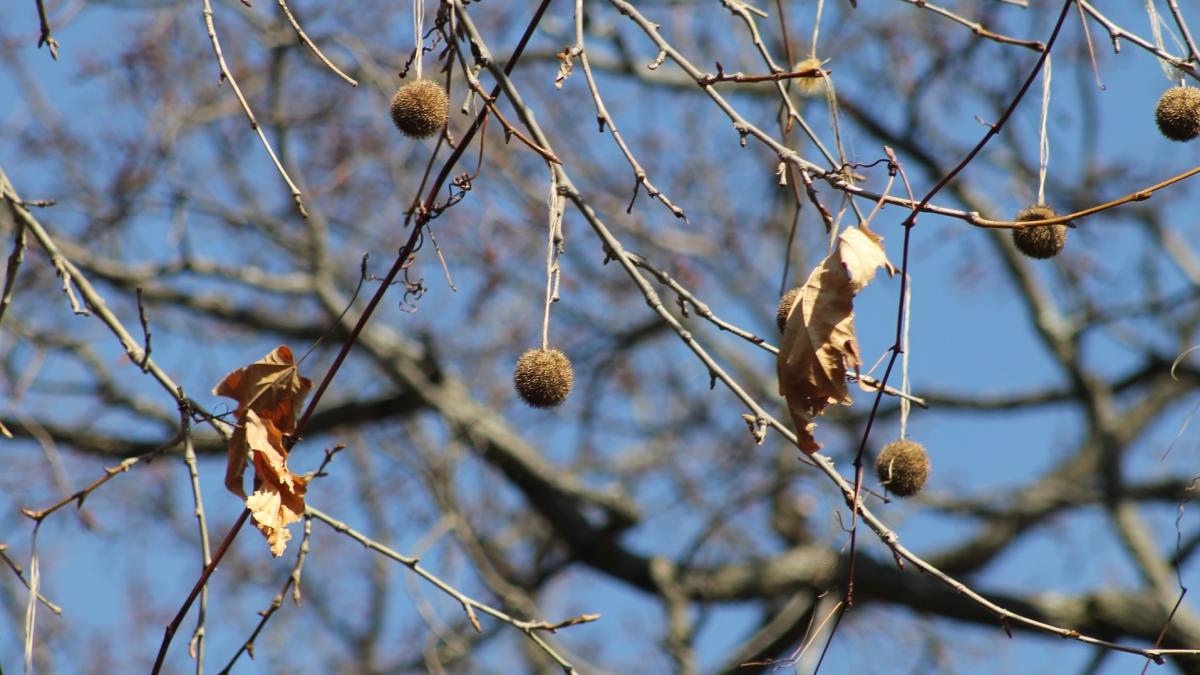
903	467
1178	113
785	307
1044	241
420	109
543	378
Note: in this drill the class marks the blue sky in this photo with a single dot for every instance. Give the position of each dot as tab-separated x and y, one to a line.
969	333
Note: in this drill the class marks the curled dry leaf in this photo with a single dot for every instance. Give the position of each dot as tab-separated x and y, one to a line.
278	498
271	387
819	343
268	392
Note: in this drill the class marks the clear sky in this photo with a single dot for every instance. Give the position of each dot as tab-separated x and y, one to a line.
969	334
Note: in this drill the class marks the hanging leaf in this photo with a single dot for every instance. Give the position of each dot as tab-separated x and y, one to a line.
269	392
278	497
271	387
819	344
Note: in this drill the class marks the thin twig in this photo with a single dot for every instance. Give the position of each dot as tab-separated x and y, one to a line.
14	263
12	564
418	217
705	312
441	259
200	584
293	578
854	500
743	11
810	637
109	473
45	38
554	247
1087	40
810	191
722	76
227	75
836	178
994	129
247	647
470	605
977	27
826	466
96	302
509	129
615	251
1116	34
35	579
1193	53
1138	196
60	269
145	331
196	645
313	46
603	119
746	13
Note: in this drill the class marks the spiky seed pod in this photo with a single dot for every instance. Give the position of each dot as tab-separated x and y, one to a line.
1178	113
785	307
543	378
903	467
1044	241
420	108
809	86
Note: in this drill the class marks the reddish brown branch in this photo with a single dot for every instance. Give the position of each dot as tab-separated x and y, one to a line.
421	218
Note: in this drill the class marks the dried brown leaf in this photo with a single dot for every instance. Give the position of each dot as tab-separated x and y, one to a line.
565	66
269	392
278	497
819	343
271	386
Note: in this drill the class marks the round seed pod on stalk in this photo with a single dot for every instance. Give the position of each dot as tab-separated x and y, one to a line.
543	377
903	467
1178	113
420	108
1043	241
